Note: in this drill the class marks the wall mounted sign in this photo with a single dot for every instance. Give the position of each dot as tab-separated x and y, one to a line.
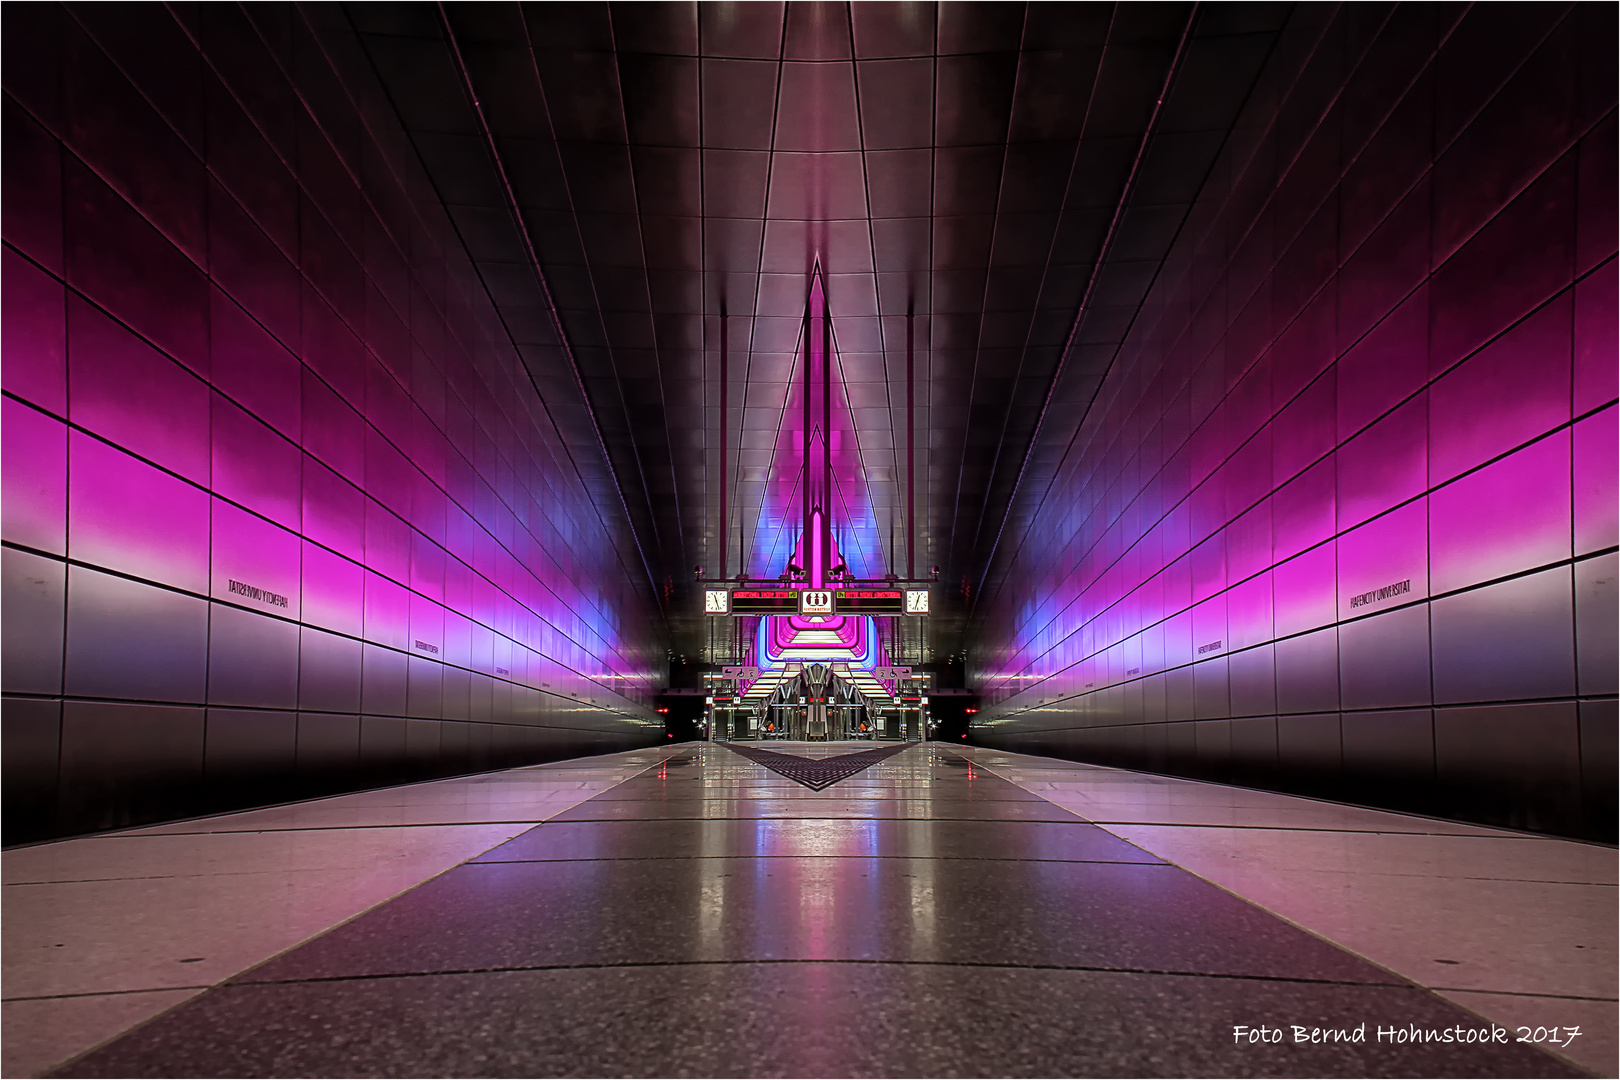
1400	588
815	602
255	593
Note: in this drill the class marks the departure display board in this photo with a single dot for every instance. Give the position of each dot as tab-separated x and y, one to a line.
822	602
869	601
764	601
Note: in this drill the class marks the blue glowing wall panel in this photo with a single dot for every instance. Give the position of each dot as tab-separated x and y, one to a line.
1342	517
282	511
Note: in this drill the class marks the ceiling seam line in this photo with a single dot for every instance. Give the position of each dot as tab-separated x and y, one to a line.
1074	164
617	381
545	291
928	378
624	115
759	273
877	298
892	558
1073	439
1068	448
1316	45
1085	297
538	396
1325	110
856	435
984	294
1079	430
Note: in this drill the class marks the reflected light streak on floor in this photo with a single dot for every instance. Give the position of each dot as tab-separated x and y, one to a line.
683	910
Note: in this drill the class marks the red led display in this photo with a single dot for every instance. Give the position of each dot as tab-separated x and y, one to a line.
764	601
869	602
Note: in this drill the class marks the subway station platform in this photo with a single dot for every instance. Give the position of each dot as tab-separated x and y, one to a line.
688	911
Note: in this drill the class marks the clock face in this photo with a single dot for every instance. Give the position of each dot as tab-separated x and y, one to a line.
716	602
916	601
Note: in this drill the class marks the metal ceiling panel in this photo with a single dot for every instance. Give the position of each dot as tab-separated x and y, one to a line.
1011	175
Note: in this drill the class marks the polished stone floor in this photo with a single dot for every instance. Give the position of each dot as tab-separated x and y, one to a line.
686	911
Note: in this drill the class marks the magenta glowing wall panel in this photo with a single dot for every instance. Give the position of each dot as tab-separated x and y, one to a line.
1342	517
774	536
282	511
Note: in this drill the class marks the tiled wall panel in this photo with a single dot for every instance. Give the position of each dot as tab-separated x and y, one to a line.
282	512
1342	518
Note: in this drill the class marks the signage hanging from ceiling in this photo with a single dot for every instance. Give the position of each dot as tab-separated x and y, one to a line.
764	601
869	601
816	602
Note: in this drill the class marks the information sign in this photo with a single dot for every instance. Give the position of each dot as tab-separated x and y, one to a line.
764	601
869	601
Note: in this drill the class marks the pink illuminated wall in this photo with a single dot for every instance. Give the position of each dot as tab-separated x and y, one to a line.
282	511
1342	518
774	536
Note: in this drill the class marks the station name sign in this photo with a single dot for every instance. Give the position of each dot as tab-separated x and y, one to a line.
823	602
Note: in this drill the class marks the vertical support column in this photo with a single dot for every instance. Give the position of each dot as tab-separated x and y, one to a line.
826	427
911	443
725	522
804	541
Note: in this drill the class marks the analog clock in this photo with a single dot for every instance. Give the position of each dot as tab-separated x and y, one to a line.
916	601
716	602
